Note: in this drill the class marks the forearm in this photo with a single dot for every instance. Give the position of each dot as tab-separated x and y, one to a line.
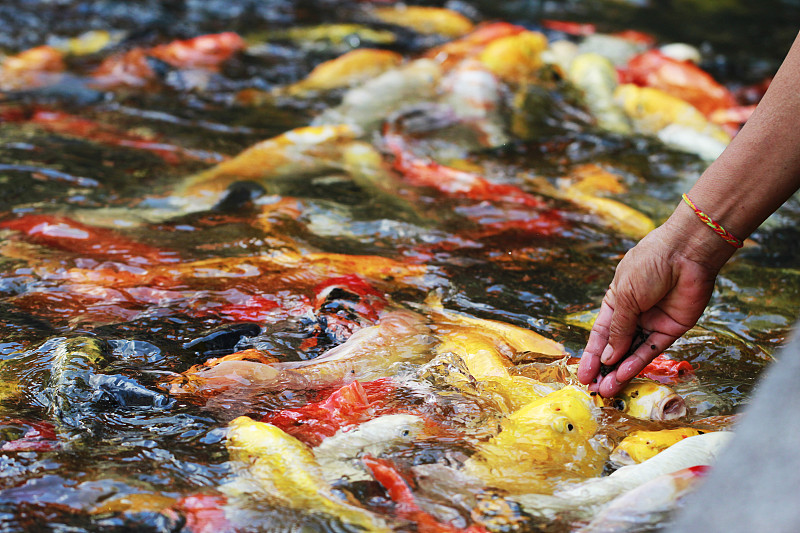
760	169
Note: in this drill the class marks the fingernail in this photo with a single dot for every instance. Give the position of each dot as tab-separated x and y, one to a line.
606	354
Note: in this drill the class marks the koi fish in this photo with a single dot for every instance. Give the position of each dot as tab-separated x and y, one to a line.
666	370
515	58
542	444
651	110
366	106
349	405
65	234
337	455
422	172
274	465
307	150
406	506
596	77
239	371
398	336
681	79
583	499
66	124
648	503
647	400
31	68
642	445
474	95
471	45
519	339
133	68
356	66
425	20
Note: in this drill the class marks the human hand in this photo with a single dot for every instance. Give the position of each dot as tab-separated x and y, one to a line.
661	286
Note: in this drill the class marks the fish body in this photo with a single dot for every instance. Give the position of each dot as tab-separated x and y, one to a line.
614	213
584	499
596	77
650	503
515	58
651	110
283	468
356	66
642	445
399	336
518	339
681	79
541	444
337	455
648	400
302	151
366	106
425	20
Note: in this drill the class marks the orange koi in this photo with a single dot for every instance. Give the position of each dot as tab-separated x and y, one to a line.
451	181
351	404
65	234
471	44
666	370
678	78
406	506
204	51
568	27
31	68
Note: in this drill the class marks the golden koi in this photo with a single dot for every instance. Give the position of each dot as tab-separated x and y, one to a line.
281	467
425	20
647	400
642	445
596	77
515	58
356	66
543	443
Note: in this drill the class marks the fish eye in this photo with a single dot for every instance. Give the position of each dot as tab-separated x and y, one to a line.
406	433
618	404
570	427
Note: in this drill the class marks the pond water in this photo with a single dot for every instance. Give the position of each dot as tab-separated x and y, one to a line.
126	262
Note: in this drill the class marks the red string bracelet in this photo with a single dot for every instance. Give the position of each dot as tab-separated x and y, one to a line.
713	224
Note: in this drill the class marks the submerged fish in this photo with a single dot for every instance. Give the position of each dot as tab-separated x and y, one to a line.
583	499
647	504
425	20
337	455
274	465
356	66
370	353
541	445
596	77
642	445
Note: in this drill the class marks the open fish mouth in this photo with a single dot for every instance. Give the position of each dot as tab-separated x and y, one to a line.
670	408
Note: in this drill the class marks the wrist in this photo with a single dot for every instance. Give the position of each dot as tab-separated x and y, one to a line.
689	237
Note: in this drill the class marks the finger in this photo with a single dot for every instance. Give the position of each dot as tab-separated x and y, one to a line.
621	330
610	386
589	366
655	344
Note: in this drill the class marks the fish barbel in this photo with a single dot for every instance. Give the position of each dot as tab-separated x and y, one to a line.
541	444
281	467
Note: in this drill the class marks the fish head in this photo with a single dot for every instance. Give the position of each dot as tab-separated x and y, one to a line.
565	412
649	400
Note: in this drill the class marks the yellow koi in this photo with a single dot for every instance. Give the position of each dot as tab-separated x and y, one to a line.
425	20
642	445
283	468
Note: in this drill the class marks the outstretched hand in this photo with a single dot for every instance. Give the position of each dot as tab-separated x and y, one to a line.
660	287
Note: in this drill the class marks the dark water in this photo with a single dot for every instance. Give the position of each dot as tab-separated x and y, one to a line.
94	441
